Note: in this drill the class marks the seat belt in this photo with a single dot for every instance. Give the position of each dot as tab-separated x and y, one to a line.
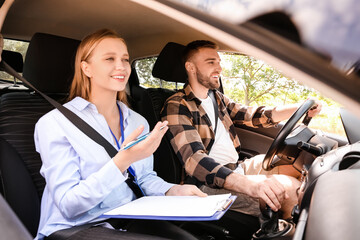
211	94
80	124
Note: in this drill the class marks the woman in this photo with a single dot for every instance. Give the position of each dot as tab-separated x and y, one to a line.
82	181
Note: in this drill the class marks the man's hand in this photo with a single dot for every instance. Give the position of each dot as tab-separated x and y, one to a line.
316	109
185	190
267	188
281	113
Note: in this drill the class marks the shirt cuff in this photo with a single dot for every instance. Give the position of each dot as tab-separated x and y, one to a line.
111	174
166	187
268	115
221	175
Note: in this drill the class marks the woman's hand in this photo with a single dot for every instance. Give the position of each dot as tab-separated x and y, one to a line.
185	190
141	150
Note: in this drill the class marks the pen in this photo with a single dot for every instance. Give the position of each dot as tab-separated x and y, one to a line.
226	204
132	143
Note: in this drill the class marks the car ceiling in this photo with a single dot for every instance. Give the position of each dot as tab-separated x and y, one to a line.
145	31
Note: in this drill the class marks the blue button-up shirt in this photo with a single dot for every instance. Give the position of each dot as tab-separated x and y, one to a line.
82	181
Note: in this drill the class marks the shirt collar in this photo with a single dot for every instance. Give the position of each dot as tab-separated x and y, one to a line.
124	109
80	104
189	93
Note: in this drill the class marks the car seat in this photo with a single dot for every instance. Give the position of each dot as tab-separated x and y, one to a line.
149	101
15	60
48	66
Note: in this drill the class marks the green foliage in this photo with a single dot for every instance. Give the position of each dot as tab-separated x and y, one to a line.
144	68
258	82
253	82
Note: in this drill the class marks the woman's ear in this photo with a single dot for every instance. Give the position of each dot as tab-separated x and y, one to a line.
85	68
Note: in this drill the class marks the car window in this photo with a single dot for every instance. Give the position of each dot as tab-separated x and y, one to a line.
143	68
249	81
15	46
253	82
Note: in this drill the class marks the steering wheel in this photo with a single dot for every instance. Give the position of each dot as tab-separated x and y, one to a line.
268	162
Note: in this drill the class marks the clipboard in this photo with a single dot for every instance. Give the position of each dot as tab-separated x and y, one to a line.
225	205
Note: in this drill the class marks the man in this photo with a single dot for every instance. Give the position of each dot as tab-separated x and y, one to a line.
191	118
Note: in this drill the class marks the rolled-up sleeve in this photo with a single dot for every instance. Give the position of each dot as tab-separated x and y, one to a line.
248	115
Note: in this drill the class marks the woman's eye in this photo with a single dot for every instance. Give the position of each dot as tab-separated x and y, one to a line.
110	59
126	60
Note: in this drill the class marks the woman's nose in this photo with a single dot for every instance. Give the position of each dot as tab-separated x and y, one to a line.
119	65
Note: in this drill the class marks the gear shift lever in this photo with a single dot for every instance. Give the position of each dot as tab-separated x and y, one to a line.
271	226
269	220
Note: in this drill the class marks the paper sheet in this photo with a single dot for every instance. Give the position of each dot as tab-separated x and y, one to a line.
182	206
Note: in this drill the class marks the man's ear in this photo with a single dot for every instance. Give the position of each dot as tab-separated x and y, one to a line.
85	68
190	67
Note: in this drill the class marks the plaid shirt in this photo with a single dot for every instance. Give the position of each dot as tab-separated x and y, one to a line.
190	132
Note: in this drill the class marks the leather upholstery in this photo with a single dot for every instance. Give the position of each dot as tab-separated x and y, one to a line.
149	102
48	66
169	66
14	59
49	62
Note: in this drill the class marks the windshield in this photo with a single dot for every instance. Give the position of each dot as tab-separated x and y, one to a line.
328	27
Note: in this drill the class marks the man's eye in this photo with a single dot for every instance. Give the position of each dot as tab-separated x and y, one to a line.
126	60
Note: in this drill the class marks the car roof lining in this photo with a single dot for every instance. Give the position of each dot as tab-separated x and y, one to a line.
145	30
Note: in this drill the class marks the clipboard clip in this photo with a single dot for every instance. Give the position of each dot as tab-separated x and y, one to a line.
223	205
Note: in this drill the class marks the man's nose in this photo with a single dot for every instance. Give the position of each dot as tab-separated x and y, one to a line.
218	67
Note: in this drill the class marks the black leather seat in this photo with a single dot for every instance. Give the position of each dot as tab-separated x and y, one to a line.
149	102
14	59
48	66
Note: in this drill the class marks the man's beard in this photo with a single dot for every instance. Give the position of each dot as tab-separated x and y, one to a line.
206	82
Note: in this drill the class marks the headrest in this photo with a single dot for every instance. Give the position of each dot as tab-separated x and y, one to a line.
169	66
49	62
13	59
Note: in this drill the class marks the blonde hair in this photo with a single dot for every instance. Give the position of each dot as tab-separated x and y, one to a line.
81	85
